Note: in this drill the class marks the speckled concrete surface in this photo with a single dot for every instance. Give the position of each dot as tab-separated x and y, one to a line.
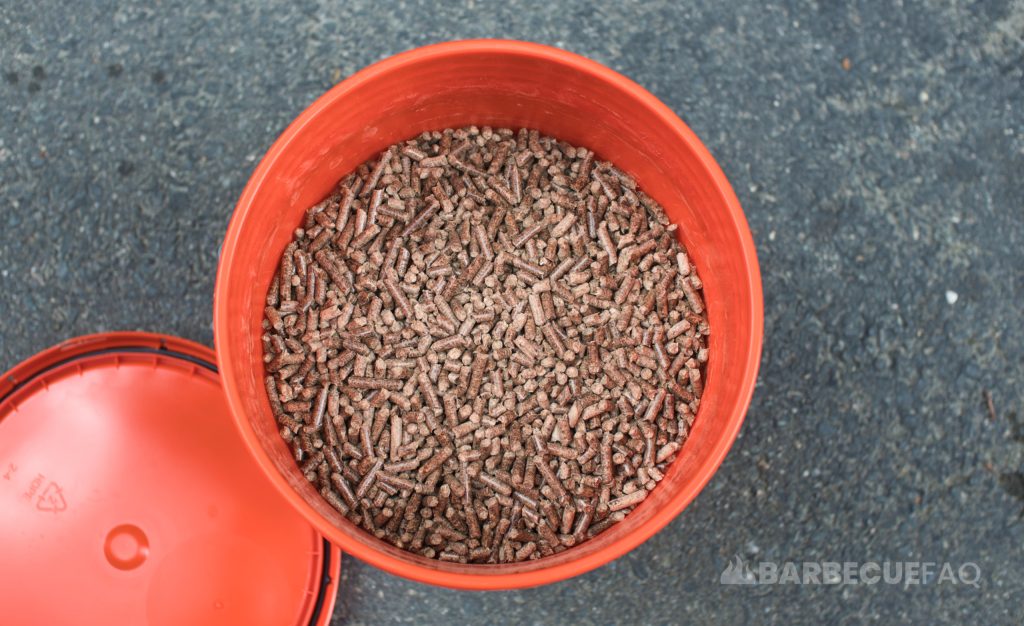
884	192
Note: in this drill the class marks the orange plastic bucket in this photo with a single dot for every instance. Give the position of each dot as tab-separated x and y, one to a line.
501	84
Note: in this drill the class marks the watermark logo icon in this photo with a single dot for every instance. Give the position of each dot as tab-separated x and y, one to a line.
737	572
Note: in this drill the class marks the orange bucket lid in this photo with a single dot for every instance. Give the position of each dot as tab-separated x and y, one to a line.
128	497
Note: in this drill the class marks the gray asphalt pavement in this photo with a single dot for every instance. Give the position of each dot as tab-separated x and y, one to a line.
876	146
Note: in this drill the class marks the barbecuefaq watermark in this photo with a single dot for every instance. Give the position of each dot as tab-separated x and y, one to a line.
906	573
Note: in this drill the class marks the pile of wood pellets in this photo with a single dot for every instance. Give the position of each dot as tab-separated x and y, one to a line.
485	346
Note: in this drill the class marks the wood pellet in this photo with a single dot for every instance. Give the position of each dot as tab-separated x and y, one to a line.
485	346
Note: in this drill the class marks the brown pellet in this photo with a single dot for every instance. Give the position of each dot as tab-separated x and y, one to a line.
495	484
367	480
486	346
550	478
628	500
404	484
434	463
563	226
344	489
368	382
524	552
666	451
333	499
